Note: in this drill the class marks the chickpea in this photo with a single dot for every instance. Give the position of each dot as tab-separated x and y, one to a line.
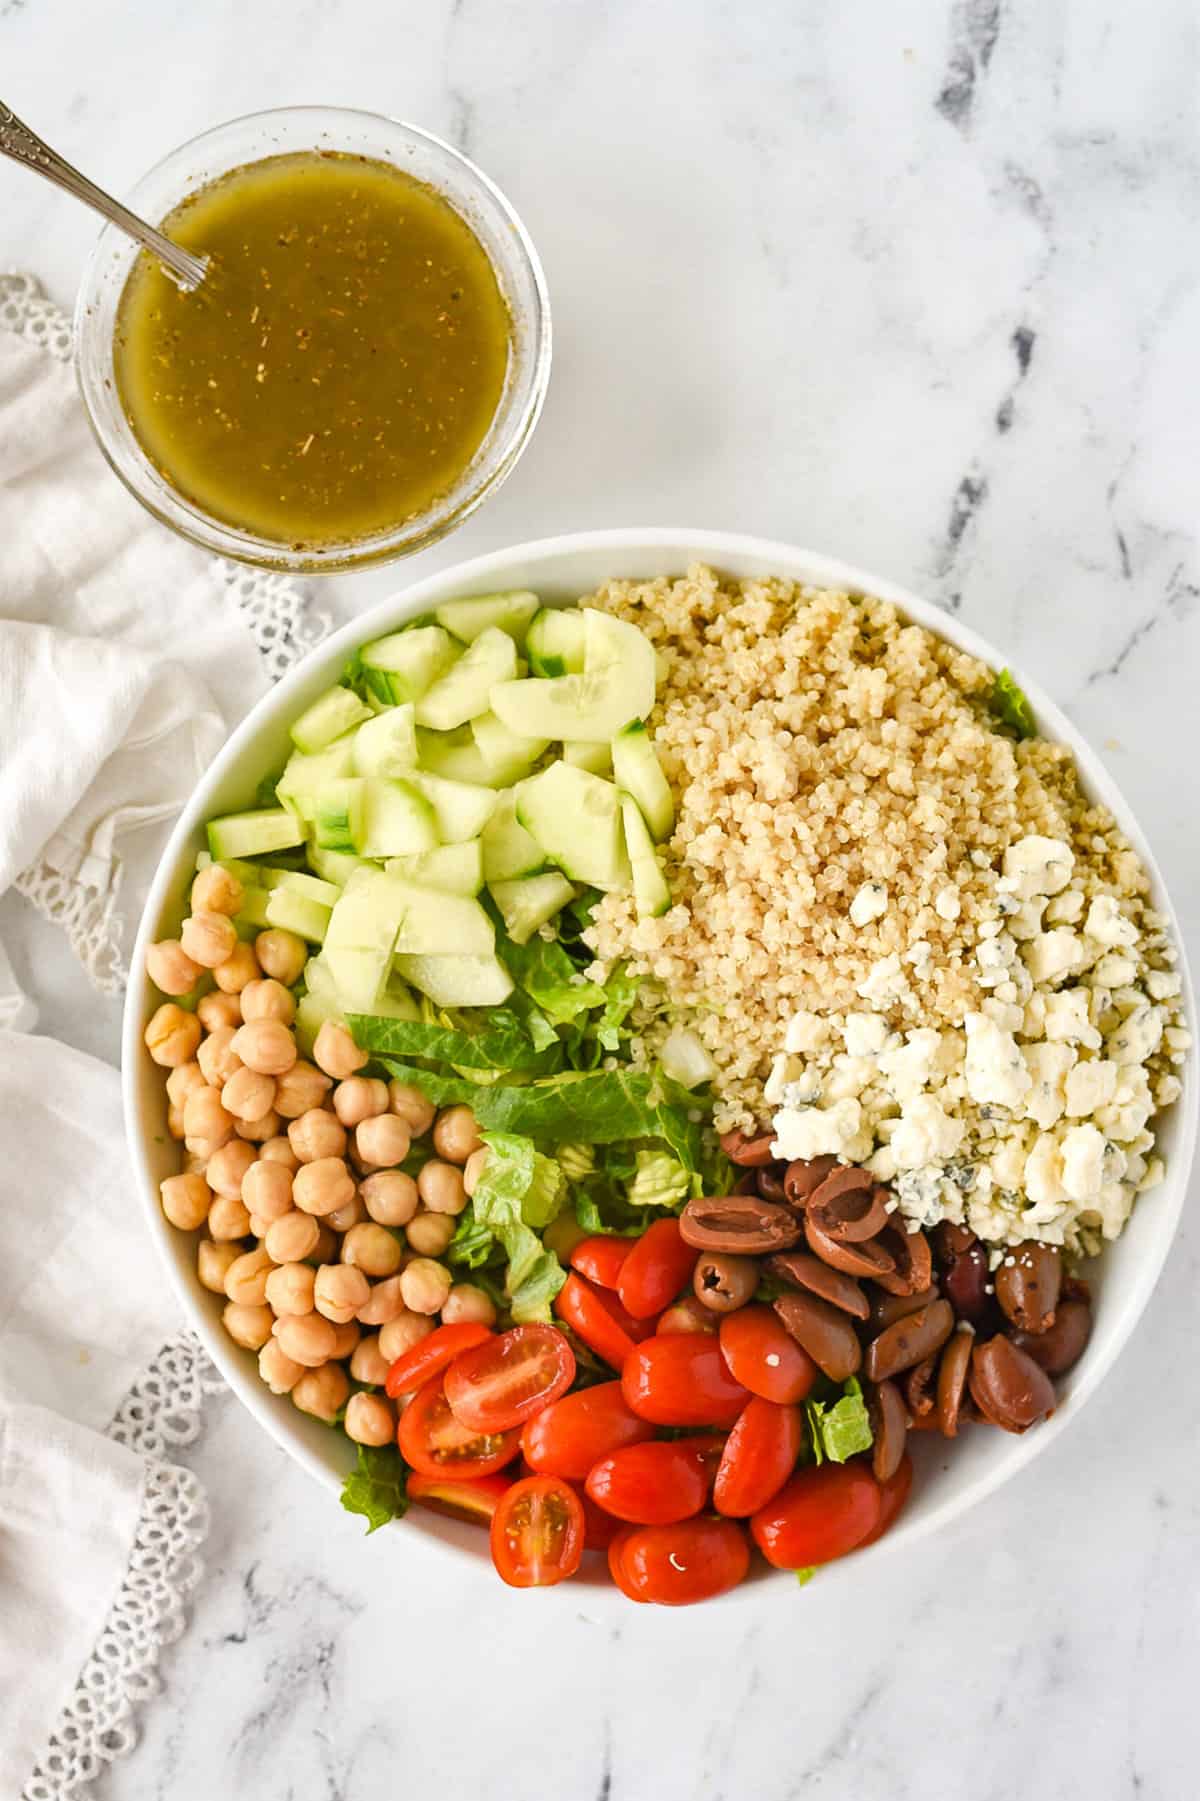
217	1057
440	1186
316	1134
368	1363
228	1218
359	1098
384	1302
267	1190
425	1285
206	1125
428	1234
343	1219
291	1238
277	1369
170	968
227	1168
248	1326
281	955
340	1291
186	1201
217	1010
208	938
372	1249
410	1105
192	1165
326	1248
212	1261
217	890
402	1333
255	1130
474	1168
289	1289
184	1080
468	1305
238	969
322	1187
246	1280
369	1420
336	1052
265	1045
322	1392
172	1035
456	1134
175	1121
306	1338
265	998
278	1150
382	1141
346	1337
299	1089
390	1197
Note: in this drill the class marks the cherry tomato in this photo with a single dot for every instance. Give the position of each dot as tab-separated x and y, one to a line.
430	1357
682	1380
656	1269
687	1315
650	1484
692	1560
503	1382
569	1436
462	1498
709	1448
637	1329
763	1357
582	1307
760	1454
820	1514
434	1443
599	1528
892	1495
537	1532
600	1259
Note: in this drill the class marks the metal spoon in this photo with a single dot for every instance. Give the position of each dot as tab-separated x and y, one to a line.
24	146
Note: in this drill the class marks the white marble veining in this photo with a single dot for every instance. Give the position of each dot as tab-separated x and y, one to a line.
918	285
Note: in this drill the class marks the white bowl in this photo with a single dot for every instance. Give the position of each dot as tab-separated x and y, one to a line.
950	1477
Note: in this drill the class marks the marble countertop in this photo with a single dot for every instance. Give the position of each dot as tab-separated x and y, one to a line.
919	286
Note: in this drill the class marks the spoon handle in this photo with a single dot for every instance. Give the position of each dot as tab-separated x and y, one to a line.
24	146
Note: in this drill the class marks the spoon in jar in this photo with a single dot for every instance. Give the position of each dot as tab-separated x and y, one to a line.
24	146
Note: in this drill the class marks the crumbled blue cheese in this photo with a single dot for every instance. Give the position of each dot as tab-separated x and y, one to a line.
995	1069
818	1131
1037	865
885	986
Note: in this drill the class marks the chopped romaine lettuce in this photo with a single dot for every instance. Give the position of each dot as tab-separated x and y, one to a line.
519	1192
839	1429
1009	703
660	1180
376	1488
502	1042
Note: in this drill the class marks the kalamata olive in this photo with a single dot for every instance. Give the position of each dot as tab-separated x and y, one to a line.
849	1206
747	1151
855	1259
889	1428
805	1176
912	1261
886	1309
1074	1288
769	1180
724	1282
950	1241
821	1279
952	1379
917	1389
741	1223
827	1335
1008	1387
1062	1344
965	1283
1028	1284
747	1182
910	1340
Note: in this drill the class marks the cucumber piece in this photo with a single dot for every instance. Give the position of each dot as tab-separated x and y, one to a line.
358	943
248	874
433	923
637	771
253	910
386	745
336	866
306	773
398	821
508	850
469	619
254	834
451	868
576	818
309	887
403	665
617	685
651	894
596	758
462	693
529	903
339	811
311	1014
454	755
293	912
458	981
555	642
507	755
337	711
460	809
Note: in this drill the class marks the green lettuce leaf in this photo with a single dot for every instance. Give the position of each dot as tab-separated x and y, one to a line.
620	992
805	1576
839	1429
376	1489
502	1042
659	1181
518	1192
473	1243
544	971
1010	704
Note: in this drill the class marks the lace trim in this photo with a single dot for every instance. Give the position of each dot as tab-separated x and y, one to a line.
88	916
161	1413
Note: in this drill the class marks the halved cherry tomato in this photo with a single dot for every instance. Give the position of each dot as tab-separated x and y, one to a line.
460	1497
692	1560
682	1380
430	1357
600	1259
434	1443
583	1308
569	1436
687	1314
763	1357
503	1382
760	1454
820	1514
650	1484
537	1533
656	1269
892	1495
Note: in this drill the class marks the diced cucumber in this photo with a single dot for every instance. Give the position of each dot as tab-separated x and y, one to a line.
636	769
433	923
254	834
651	894
253	910
507	755
311	1013
468	619
529	903
293	912
454	755
311	887
460	809
555	642
359	975
339	813
398	821
337	711
335	866
508	850
451	868
462	692
595	757
458	981
248	874
318	977
386	745
576	818
403	665
306	773
617	685
358	943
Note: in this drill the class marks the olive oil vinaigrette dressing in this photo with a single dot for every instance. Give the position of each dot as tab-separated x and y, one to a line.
341	365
